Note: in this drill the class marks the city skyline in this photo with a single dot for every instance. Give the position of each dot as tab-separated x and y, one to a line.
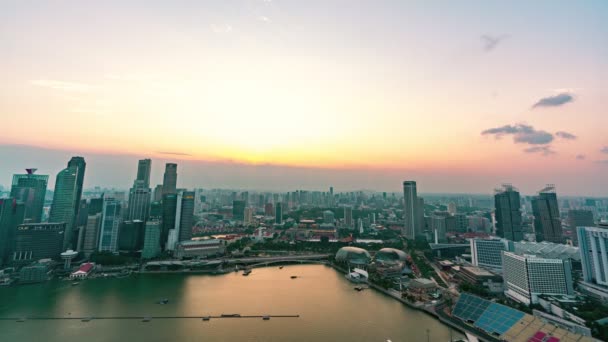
358	97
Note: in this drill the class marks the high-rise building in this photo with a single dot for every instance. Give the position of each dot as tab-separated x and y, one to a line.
170	179
156	210
528	276
411	225
508	213
151	240
579	218
268	209
248	215
144	167
110	225
278	215
90	240
95	206
593	247
30	189
547	223
11	216
157	196
66	198
169	205
348	217
35	241
131	236
487	253
184	219
238	210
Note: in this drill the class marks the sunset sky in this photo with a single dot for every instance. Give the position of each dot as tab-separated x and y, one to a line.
459	95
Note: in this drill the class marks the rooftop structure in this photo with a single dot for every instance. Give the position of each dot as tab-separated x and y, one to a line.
353	255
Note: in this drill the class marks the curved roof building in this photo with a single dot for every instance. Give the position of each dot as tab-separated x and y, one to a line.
353	255
390	255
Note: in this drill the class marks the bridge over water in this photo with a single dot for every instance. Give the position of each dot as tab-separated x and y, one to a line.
214	264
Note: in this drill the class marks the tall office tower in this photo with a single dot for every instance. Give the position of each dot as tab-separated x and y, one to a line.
90	240
238	210
278	213
170	179
66	198
169	205
157	196
547	223
268	209
593	247
248	219
110	225
95	206
139	202
579	218
83	213
420	217
156	210
143	171
508	213
11	216
184	219
528	276
348	217
131	236
151	240
35	241
487	253
30	189
411	225
439	227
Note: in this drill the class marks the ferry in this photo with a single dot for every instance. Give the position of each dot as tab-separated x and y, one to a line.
246	272
146	319
206	318
294	277
358	276
163	301
280	267
231	315
266	317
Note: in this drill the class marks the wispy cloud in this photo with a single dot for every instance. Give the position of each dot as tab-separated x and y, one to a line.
604	149
543	150
174	153
580	157
221	28
63	85
521	133
554	101
490	42
566	135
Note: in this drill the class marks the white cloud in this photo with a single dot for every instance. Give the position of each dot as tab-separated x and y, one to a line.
63	86
221	28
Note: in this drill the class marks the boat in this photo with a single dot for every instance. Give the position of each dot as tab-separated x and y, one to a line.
359	288
266	317
294	277
163	301
146	319
280	267
231	315
123	274
246	272
358	276
75	283
86	319
206	318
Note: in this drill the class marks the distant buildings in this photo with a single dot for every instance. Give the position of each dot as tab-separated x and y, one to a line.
593	245
140	193
487	253
348	217
30	189
527	277
508	213
238	210
547	223
110	225
278	213
144	167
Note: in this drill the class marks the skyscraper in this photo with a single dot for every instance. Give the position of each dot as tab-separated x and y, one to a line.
411	225
547	223
579	218
131	236
11	216
110	225
143	171
278	214
238	210
508	213
170	179
151	240
348	217
184	219
35	241
91	234
593	247
66	198
30	189
248	219
487	253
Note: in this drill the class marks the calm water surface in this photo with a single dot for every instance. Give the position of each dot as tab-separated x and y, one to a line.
329	308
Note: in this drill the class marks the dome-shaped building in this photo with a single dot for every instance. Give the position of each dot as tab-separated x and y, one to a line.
353	255
390	255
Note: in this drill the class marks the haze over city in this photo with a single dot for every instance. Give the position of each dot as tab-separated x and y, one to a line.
288	94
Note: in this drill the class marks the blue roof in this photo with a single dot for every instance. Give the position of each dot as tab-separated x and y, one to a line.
491	317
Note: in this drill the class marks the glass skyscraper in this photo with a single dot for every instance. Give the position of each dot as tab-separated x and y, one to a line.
508	213
110	225
170	179
30	189
66	198
547	223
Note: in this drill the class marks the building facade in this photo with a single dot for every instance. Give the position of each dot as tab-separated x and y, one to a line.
487	253
35	241
411	224
170	179
547	223
593	247
110	225
508	213
30	189
151	240
66	198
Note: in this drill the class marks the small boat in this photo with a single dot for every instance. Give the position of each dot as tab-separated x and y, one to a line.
86	319
163	301
231	315
359	288
75	283
266	317
146	319
21	320
246	272
294	277
206	318
280	267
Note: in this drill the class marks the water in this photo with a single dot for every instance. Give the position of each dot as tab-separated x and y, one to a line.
329	308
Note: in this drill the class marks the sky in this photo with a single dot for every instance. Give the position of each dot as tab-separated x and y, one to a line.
271	94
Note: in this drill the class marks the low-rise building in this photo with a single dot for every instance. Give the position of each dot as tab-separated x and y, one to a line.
199	248
481	277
